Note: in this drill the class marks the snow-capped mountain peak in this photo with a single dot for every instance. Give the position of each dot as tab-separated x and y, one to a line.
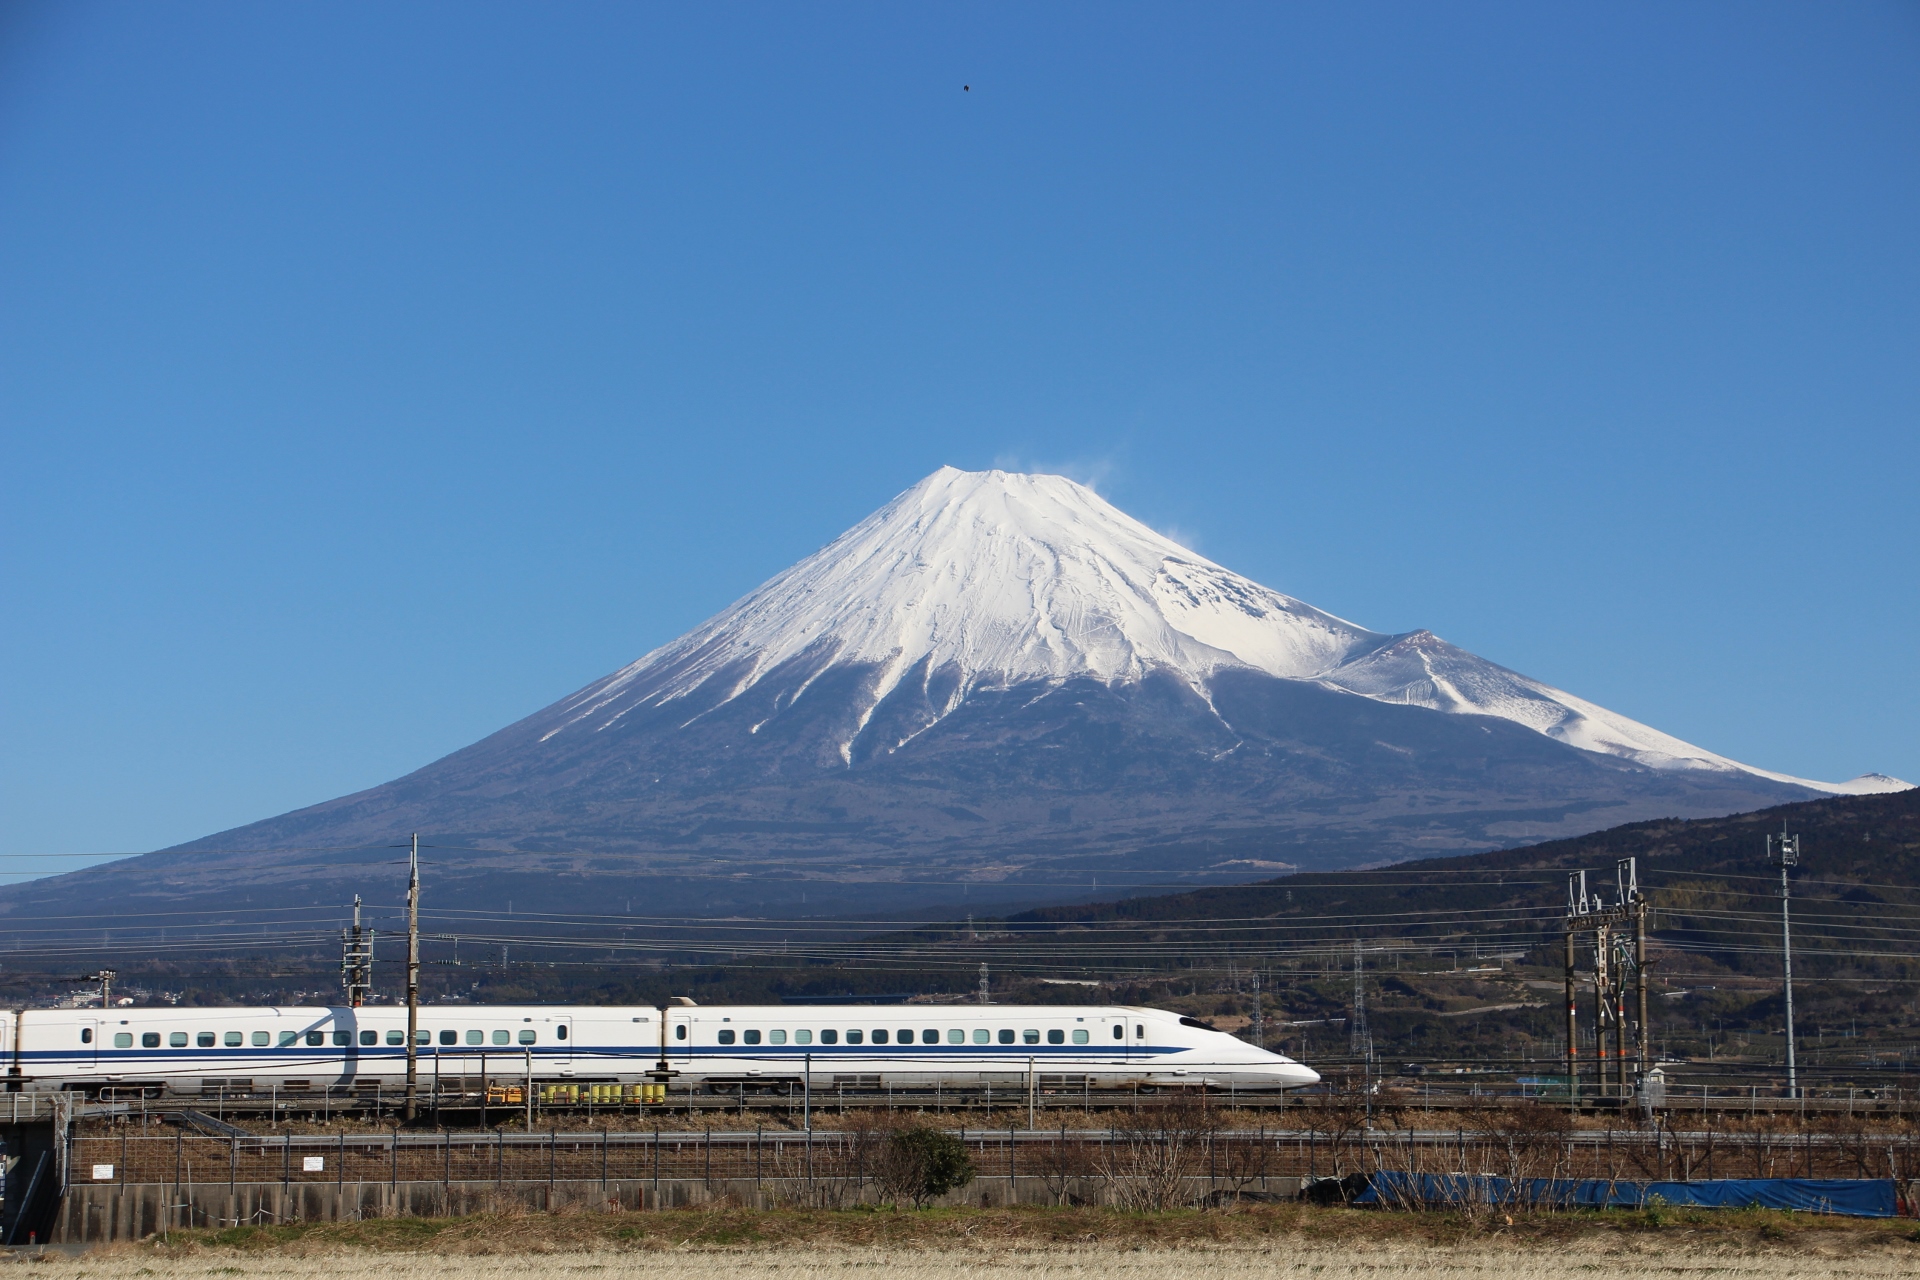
998	578
992	579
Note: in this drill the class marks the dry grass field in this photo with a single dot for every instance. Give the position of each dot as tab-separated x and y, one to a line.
1292	1241
1092	1262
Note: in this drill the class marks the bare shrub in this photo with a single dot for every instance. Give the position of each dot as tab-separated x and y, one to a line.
1529	1138
1152	1165
1062	1163
1337	1117
1243	1161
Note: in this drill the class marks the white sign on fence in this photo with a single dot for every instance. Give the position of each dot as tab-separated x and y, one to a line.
103	1173
312	1164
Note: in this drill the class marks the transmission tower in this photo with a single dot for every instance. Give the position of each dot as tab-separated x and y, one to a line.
985	989
1621	1042
1361	1039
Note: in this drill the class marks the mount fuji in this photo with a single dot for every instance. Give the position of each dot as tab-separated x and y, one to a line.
996	688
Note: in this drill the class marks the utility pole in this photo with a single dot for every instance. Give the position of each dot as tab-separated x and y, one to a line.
985	989
1360	1038
662	1070
1259	1021
1785	850
1622	956
1573	1025
356	960
1602	986
106	977
413	980
1640	963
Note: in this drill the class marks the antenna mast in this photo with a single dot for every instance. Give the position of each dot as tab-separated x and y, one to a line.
1785	850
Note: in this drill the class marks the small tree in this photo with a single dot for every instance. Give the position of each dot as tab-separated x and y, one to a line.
920	1164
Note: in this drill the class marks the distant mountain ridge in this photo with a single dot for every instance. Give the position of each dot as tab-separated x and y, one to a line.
997	688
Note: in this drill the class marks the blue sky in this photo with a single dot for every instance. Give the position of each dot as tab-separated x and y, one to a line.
372	375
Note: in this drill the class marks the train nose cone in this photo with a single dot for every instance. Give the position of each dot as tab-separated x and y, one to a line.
1300	1077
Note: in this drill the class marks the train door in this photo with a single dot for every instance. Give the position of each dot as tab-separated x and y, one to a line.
679	1025
560	1052
86	1053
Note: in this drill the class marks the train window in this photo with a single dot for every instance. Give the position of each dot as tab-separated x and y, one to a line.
560	1032
149	1039
502	1037
803	1037
204	1039
855	1037
752	1037
929	1036
680	1031
123	1039
1139	1031
879	1035
1006	1035
981	1035
1079	1035
1119	1031
233	1039
341	1039
396	1037
261	1039
1056	1036
906	1035
369	1037
449	1037
829	1037
956	1036
476	1037
86	1035
315	1039
528	1035
289	1037
776	1037
726	1037
177	1039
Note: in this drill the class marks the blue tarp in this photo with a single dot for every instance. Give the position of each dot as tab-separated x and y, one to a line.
1854	1197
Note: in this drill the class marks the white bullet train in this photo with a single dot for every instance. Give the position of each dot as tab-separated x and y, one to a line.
751	1048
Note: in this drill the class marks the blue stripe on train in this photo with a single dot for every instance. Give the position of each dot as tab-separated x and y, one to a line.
112	1058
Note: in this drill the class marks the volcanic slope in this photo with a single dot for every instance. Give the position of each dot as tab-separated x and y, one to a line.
998	688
